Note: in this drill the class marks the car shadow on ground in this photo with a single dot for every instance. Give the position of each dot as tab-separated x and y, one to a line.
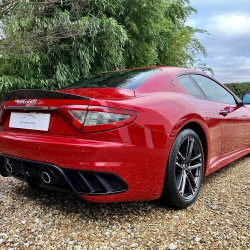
70	204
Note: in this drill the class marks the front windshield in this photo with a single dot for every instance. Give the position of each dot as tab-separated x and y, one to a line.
127	79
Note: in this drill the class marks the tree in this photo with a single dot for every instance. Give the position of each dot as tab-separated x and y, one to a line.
53	43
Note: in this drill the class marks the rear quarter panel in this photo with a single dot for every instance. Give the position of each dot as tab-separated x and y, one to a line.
170	112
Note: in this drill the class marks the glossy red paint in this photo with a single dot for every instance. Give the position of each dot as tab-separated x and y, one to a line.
136	150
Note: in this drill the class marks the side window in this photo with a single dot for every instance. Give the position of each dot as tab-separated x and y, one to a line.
189	85
213	91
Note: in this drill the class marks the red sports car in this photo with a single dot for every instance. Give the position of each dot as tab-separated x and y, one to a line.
131	135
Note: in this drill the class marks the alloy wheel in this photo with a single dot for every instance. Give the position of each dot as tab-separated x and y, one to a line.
188	168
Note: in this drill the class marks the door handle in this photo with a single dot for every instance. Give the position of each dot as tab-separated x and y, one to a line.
223	112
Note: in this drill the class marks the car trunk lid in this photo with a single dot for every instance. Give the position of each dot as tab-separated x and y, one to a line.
36	111
63	112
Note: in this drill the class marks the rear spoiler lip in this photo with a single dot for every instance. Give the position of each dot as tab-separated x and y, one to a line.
40	94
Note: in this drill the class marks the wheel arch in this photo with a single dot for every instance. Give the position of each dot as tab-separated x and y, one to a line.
199	130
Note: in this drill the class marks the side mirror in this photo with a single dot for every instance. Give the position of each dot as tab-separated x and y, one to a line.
246	99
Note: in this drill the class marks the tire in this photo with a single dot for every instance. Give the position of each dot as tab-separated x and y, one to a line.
185	170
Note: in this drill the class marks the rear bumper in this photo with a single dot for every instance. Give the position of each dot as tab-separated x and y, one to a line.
42	175
133	172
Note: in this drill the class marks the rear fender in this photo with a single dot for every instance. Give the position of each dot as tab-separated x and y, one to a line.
201	127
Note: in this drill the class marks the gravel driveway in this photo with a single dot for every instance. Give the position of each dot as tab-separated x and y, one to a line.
219	219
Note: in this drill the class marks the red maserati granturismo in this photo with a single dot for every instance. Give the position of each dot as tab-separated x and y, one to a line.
131	135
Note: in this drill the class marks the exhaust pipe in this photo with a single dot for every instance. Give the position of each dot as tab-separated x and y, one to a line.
8	166
47	176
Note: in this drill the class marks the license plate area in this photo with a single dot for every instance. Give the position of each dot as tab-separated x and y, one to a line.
30	121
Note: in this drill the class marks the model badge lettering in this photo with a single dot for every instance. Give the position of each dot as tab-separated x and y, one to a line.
29	101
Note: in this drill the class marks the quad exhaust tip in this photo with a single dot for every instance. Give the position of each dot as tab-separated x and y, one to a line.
47	176
8	167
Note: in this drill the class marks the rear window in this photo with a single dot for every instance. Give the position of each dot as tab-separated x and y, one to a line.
128	79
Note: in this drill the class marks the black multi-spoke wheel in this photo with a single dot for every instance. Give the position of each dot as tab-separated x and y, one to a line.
185	170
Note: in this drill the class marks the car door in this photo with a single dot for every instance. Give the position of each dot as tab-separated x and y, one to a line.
234	118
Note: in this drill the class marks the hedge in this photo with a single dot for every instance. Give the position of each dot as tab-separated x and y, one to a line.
239	88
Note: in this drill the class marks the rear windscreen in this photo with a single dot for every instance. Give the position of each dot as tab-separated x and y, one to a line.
128	79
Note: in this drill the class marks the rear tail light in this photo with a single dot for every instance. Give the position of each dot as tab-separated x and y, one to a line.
97	118
78	117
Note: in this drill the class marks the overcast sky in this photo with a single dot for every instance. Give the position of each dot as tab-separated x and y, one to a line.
228	45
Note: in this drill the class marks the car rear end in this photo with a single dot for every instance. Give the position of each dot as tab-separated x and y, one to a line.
89	146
